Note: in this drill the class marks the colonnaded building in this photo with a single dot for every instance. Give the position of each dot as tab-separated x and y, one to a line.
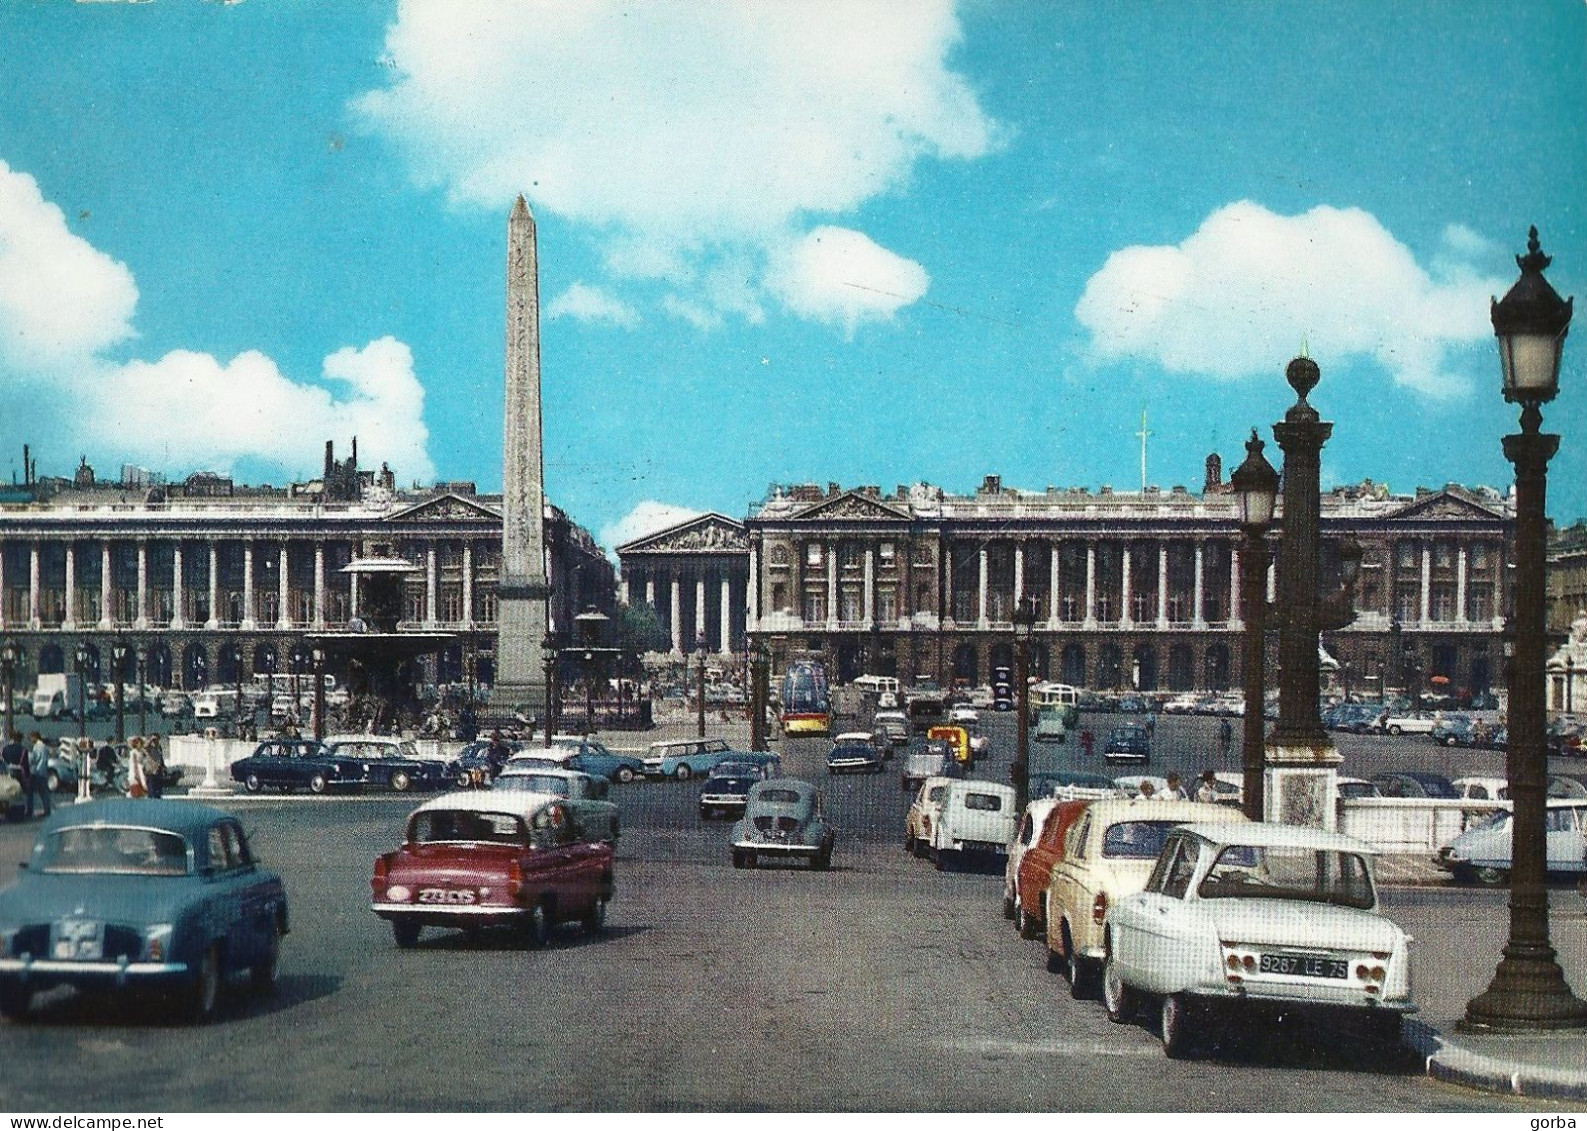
218	581
1134	590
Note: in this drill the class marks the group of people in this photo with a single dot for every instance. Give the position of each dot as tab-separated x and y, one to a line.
1206	790
30	765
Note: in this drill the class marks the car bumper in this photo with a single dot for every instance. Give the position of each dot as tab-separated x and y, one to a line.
868	764
441	915
775	848
60	972
1287	996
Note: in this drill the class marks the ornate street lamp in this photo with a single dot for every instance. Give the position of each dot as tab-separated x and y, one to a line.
319	694
1024	627
143	689
1528	991
1570	684
1255	485
118	657
700	645
759	664
8	668
84	789
590	624
548	649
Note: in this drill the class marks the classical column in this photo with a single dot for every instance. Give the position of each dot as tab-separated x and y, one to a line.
70	620
752	592
1460	586
622	588
1126	610
429	585
1091	585
980	600
142	618
1052	585
725	617
870	586
105	619
1162	585
213	621
34	620
468	585
2	583
352	593
699	602
1197	620
178	587
830	549
676	623
247	584
947	578
1236	612
319	586
650	588
1272	580
283	588
1427	582
1019	573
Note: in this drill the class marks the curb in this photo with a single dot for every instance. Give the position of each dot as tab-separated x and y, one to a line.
1452	1064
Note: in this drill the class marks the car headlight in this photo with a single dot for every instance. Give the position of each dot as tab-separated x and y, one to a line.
157	942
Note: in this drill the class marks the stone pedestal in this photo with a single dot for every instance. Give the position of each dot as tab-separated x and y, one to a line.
1301	785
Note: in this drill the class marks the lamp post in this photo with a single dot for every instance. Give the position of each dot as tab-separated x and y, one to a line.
1344	670
8	668
143	689
548	648
1396	654
118	657
590	624
1528	991
299	658
84	790
1024	627
1255	485
319	695
700	645
758	663
1570	684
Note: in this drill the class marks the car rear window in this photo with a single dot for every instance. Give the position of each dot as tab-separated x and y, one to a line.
112	850
1136	840
1289	873
983	802
780	796
439	825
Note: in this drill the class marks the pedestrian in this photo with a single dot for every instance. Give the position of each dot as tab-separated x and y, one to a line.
1151	724
16	757
1207	791
1086	741
136	786
1225	735
154	766
39	772
1147	790
1175	791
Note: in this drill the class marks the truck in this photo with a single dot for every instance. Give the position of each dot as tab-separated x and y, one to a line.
56	694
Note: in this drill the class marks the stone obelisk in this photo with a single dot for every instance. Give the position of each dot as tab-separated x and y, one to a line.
521	588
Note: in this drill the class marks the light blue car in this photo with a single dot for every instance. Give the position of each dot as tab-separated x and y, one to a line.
687	758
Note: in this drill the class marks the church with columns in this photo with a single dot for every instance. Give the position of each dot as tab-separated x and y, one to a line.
1134	590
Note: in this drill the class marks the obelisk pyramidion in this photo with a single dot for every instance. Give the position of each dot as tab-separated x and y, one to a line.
521	589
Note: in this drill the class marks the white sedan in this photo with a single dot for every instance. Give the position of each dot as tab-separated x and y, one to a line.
1256	918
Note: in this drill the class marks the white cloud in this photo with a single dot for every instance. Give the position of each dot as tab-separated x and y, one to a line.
1239	296
674	130
61	300
585	303
839	275
63	304
647	517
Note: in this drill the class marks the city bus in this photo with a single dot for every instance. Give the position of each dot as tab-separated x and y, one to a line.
806	702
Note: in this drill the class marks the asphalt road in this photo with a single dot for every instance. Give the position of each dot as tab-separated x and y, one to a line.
881	985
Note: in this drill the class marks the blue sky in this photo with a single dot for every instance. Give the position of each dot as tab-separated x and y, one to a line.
787	242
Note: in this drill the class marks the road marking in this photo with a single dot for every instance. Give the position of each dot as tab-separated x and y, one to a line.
1052	1048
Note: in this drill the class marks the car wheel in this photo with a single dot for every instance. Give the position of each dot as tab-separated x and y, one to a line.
1450	741
750	860
910	845
1394	730
625	774
406	932
263	972
1079	972
1385	1027
738	859
400	781
252	783
595	921
822	860
53	782
1491	877
15	998
1025	923
939	860
1177	1026
1008	907
1117	998
537	929
318	784
683	773
205	990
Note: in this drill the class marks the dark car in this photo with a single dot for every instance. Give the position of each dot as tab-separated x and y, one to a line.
1415	783
296	763
1128	744
124	895
1455	730
725	791
854	754
391	763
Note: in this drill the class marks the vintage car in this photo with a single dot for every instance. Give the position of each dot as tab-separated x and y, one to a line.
1073	785
854	753
1107	855
973	819
1237	919
297	763
389	763
726	791
685	758
1129	743
894	724
588	756
1415	783
490	858
1481	854
923	762
782	819
127	895
921	816
1034	873
1026	833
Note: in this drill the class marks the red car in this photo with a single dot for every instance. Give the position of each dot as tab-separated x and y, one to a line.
1035	868
496	858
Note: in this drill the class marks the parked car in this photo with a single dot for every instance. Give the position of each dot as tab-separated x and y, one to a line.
297	763
726	791
1406	722
974	819
1482	788
1415	783
1128	744
964	714
1050	724
175	704
1132	784
921	817
1108	854
1182	705
854	753
782	819
1455	730
591	757
685	758
390	763
1026	833
1356	787
1242	919
1358	718
1034	870
1481	854
1567	785
494	858
1073	785
126	895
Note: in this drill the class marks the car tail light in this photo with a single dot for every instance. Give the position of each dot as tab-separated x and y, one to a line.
1099	908
1248	962
378	883
514	879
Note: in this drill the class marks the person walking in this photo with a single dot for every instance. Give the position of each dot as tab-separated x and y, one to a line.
39	774
16	760
1086	741
154	766
1225	736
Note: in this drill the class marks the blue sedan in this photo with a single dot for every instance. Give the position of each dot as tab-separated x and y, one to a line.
126	895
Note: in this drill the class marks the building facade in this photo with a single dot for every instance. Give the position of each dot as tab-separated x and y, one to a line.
1133	590
695	575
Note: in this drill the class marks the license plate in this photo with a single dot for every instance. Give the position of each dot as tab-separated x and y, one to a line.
79	939
441	895
1305	965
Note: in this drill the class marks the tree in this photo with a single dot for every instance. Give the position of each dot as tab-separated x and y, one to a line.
638	630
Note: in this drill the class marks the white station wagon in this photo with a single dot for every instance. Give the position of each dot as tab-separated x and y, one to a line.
1252	918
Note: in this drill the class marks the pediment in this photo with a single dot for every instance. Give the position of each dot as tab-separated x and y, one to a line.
1449	507
851	506
445	508
707	534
